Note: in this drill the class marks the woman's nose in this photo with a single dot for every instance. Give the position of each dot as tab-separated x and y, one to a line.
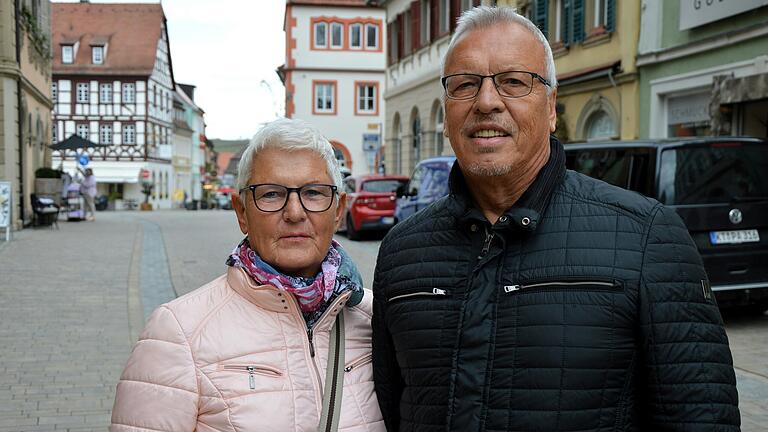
293	210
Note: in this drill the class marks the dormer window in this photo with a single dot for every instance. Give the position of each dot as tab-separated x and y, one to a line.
97	55
67	54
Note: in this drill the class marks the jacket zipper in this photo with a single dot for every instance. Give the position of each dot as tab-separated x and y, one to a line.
252	370
363	360
486	244
434	292
572	284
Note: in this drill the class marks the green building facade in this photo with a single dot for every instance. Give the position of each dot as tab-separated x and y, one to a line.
703	68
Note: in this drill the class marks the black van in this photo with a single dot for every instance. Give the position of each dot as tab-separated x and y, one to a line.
718	186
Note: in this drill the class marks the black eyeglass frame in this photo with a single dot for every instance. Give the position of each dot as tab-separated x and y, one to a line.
533	75
252	188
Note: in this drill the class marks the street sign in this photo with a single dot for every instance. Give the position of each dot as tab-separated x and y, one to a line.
371	142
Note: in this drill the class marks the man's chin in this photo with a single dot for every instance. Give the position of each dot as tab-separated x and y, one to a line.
488	170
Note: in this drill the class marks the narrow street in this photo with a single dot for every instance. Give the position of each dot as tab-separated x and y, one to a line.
73	300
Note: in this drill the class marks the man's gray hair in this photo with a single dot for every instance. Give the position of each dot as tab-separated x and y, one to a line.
289	135
482	17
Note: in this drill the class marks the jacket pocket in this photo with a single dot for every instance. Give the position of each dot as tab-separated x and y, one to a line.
252	371
358	362
564	284
415	293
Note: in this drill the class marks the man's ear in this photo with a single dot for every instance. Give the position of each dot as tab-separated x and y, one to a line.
242	217
552	106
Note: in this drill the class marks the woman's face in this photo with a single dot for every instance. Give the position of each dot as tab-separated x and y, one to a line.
292	240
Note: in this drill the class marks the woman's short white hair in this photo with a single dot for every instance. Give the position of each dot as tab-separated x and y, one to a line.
289	135
482	17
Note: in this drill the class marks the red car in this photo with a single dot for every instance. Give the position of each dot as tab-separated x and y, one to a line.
370	203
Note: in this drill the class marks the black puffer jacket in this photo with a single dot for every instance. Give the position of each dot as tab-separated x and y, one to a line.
584	308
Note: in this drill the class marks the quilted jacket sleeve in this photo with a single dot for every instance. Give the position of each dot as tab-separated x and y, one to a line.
158	389
689	382
386	373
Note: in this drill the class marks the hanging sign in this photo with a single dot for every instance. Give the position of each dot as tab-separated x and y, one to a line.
83	159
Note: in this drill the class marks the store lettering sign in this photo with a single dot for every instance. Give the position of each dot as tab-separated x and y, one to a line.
694	13
688	109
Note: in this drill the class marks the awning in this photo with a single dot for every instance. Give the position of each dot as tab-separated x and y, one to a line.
110	171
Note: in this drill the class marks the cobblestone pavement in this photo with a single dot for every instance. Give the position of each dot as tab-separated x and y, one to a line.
73	300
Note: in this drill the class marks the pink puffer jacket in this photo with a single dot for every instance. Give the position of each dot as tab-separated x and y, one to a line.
236	356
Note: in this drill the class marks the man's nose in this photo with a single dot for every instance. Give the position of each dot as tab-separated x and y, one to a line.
488	98
293	210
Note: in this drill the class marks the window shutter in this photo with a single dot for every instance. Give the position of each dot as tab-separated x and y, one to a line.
541	16
400	34
610	12
434	18
578	20
415	25
567	22
390	51
455	12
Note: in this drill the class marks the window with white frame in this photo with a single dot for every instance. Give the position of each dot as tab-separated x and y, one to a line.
54	92
129	93
601	13
366	98
67	54
407	33
337	35
372	36
97	54
82	130
445	15
129	134
82	92
321	35
425	22
324	95
356	36
105	133
105	93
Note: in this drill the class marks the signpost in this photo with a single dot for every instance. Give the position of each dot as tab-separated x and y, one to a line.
6	209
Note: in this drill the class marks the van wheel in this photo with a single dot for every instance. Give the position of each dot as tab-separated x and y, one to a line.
352	233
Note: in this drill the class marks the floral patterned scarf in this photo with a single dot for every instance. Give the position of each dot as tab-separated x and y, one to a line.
314	295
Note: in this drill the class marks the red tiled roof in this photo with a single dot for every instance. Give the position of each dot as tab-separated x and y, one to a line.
222	162
131	33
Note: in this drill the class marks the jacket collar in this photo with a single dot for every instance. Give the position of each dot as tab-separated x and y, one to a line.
527	212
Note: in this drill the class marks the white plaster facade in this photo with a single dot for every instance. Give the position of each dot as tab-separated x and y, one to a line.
345	69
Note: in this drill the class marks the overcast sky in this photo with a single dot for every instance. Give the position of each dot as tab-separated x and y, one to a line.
229	49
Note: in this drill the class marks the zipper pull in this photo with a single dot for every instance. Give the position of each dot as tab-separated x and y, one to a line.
438	291
487	244
349	368
311	344
511	288
251	378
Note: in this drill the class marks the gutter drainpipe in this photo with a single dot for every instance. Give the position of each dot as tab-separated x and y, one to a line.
20	110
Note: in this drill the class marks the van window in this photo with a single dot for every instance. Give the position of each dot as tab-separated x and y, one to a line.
714	173
435	182
415	184
608	165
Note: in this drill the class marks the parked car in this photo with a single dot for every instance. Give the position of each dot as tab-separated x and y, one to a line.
428	183
370	203
718	186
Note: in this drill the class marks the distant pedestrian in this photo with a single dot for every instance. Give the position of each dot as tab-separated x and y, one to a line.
88	191
282	341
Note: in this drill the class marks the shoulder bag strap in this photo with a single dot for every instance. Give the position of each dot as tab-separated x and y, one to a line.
334	378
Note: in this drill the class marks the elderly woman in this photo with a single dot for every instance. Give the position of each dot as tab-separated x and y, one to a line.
282	341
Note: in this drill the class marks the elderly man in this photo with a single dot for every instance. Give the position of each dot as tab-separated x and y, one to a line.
535	298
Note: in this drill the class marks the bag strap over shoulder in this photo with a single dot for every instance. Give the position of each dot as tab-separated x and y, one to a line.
334	378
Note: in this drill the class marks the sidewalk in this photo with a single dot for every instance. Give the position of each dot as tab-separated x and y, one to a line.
64	333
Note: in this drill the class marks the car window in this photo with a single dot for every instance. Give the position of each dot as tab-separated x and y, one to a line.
435	182
608	165
714	173
384	185
415	183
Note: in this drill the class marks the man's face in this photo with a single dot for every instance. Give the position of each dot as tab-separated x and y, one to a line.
490	134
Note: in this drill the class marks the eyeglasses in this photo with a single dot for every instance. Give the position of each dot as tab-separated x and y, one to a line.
270	197
510	84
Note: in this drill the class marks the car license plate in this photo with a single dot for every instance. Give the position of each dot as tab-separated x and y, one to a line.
388	220
734	237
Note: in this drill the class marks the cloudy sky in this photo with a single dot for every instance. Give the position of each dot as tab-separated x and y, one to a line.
229	49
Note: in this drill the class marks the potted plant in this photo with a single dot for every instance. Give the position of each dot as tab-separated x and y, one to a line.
146	189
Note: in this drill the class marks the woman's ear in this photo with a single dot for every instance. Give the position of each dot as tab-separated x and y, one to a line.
340	207
242	216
